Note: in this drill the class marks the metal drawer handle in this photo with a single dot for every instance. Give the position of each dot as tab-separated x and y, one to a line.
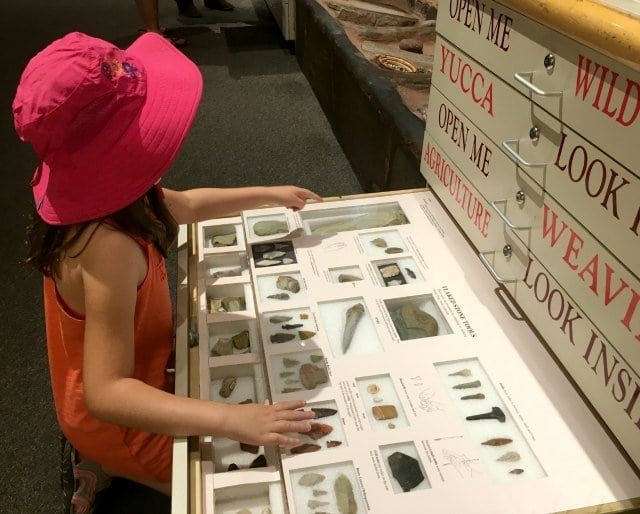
504	216
507	146
532	87
490	269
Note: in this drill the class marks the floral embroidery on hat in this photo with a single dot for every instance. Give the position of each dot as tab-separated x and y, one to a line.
113	68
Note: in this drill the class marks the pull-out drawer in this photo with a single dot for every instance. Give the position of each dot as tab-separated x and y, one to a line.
474	215
596	190
593	94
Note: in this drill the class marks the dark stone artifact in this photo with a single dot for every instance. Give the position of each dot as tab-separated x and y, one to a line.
393	249
279	296
382	412
232	467
468	385
496	413
281	337
319	430
289	363
279	319
259	462
286	374
316	358
517	471
319	492
245	402
354	315
344	495
305	334
305	448
268	228
314	504
500	441
310	479
413	323
324	412
406	470
312	376
410	272
379	242
251	448
333	444
477	396
292	326
291	389
227	386
291	381
241	340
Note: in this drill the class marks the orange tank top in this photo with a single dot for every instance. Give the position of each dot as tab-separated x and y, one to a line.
153	331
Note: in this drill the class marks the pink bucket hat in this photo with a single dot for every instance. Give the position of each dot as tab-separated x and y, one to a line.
106	123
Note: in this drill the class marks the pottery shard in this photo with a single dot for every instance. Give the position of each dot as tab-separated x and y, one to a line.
306	334
373	389
233	303
225	240
289	363
227	387
314	504
411	45
381	412
379	242
323	412
288	283
499	441
310	479
389	271
241	340
222	347
305	448
268	228
319	430
251	448
406	470
417	323
345	277
281	337
312	376
345	498
279	319
275	254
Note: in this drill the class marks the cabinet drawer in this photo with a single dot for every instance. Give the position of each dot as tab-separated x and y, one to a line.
597	96
596	190
598	368
603	288
464	202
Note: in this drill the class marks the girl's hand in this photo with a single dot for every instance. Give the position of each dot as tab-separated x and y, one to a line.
265	424
293	197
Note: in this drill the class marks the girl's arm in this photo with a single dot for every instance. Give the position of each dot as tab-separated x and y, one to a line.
203	204
114	396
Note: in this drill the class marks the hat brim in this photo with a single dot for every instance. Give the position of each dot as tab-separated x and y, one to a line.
144	152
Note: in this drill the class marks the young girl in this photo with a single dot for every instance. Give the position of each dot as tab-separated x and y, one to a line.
107	124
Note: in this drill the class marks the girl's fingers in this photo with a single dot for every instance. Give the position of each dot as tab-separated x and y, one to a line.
283	440
311	195
295	415
290	405
291	426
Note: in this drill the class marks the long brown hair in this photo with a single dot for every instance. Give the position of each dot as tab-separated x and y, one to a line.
148	217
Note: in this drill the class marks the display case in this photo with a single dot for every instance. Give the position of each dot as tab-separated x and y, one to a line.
431	391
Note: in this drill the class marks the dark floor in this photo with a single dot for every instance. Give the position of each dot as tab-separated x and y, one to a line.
258	123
